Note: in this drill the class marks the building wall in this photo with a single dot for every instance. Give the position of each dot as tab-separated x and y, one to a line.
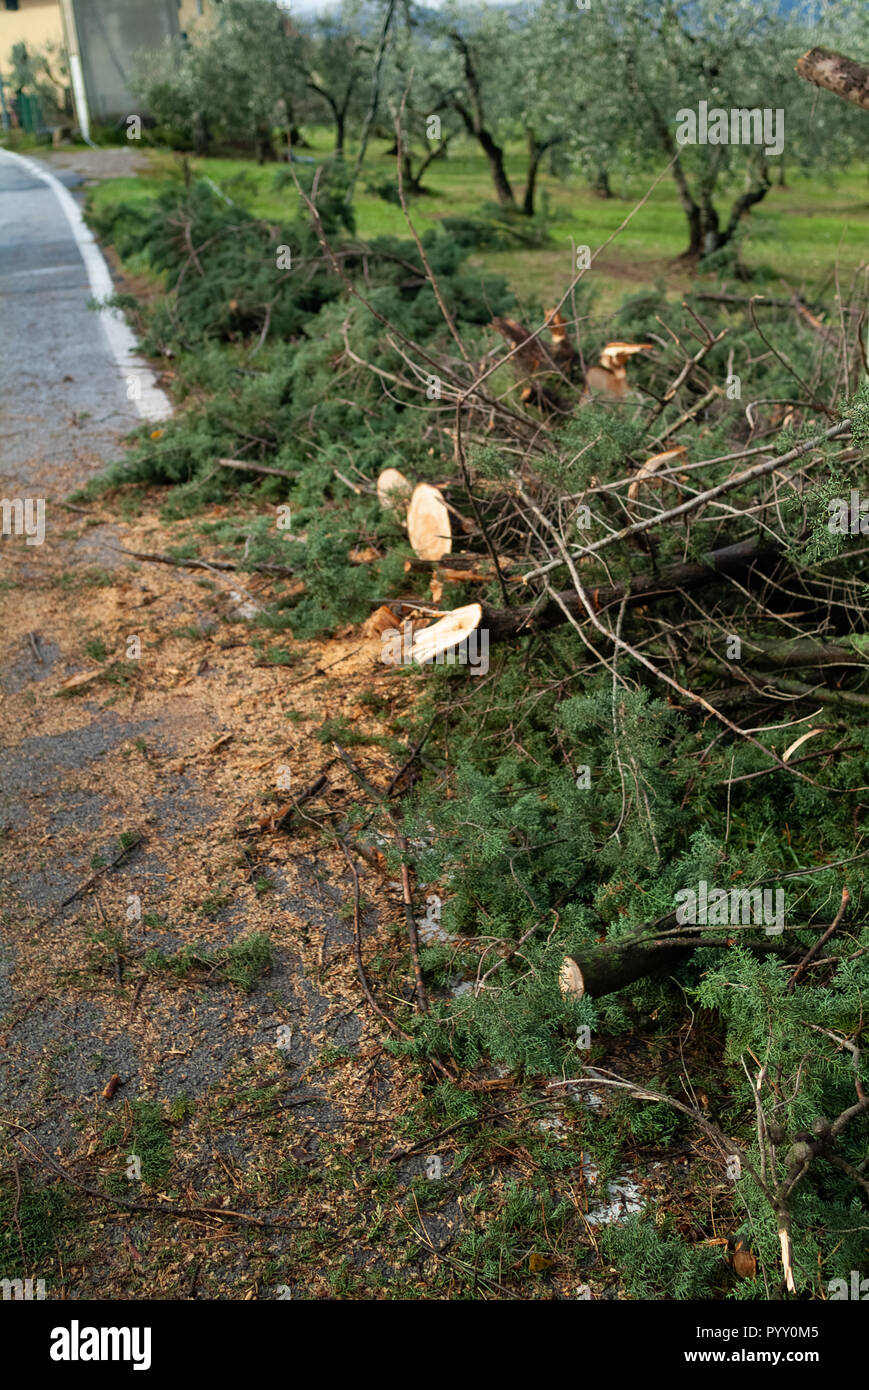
110	34
35	23
193	12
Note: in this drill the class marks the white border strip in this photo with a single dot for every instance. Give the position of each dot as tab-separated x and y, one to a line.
142	391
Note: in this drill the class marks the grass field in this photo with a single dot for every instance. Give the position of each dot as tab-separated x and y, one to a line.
799	237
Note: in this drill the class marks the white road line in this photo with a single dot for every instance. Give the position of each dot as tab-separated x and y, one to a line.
142	390
41	270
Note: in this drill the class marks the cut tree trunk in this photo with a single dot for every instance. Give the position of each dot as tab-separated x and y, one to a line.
610	965
833	71
429	528
611	376
540	367
444	636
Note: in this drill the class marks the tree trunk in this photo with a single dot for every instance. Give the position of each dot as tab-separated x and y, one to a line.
495	156
201	134
534	154
263	143
690	207
601	184
410	184
711	229
476	125
339	133
536	151
693	213
413	181
835	72
374	102
754	194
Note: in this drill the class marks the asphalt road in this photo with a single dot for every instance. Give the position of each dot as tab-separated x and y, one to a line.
65	788
63	392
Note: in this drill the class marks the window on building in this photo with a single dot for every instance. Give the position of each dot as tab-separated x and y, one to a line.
12	4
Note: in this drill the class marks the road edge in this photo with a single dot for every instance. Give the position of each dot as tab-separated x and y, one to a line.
142	391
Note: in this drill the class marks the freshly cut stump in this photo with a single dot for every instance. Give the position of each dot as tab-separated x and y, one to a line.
570	980
446	633
393	489
617	354
428	523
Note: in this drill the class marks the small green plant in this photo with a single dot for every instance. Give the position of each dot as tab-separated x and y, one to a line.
213	902
151	1142
240	964
33	1218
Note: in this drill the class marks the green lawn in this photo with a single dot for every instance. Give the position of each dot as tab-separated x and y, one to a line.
797	236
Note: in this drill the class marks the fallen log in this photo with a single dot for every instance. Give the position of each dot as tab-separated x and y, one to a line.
836	73
745	559
608	966
800	652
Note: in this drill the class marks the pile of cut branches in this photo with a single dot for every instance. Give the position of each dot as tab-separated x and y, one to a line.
645	801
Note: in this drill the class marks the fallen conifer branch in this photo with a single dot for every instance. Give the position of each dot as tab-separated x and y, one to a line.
257	468
154	558
746	559
748	475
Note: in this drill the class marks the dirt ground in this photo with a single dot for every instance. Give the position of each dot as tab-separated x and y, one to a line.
187	748
107	162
